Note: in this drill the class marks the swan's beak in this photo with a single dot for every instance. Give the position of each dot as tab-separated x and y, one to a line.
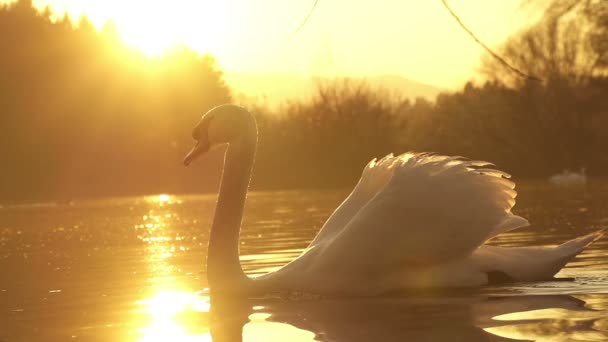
196	151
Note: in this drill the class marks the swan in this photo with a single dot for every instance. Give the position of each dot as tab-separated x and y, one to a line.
570	179
417	220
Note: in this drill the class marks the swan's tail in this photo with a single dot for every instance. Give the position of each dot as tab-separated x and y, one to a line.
572	248
564	253
532	263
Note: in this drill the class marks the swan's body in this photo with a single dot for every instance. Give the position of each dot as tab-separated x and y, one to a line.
415	220
569	179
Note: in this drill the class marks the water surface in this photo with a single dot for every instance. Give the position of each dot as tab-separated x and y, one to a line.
131	269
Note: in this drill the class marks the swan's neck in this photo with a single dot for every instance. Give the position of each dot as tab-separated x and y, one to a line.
224	271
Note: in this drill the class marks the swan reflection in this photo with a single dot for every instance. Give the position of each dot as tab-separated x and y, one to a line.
433	318
191	316
238	319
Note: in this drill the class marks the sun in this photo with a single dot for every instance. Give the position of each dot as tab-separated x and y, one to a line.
149	27
150	39
155	26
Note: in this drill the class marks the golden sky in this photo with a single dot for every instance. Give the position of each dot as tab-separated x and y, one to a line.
417	39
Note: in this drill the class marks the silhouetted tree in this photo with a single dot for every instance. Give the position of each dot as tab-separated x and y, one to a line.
83	113
569	43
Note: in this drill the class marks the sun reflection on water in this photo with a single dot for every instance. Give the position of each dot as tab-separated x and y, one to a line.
162	242
552	325
174	315
168	303
170	312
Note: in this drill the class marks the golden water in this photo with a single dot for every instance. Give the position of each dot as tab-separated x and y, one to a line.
131	269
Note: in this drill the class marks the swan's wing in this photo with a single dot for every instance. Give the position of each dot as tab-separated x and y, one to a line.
375	176
433	208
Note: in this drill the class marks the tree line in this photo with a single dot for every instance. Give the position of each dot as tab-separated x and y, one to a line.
83	114
530	128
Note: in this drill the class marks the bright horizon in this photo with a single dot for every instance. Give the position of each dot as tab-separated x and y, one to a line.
416	40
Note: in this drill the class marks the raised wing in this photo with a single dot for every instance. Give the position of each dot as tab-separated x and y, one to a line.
375	176
432	209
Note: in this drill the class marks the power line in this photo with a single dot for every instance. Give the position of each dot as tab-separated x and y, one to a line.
312	9
492	53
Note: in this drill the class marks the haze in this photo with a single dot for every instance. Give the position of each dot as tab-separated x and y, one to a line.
414	39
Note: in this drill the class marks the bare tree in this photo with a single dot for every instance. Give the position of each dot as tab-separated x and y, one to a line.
570	42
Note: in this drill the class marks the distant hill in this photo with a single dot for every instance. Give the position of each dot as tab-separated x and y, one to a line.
274	89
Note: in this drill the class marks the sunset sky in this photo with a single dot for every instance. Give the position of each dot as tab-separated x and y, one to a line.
415	39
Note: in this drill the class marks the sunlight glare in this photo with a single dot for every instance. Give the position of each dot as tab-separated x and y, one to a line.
171	331
546	314
548	325
165	308
167	304
169	312
155	27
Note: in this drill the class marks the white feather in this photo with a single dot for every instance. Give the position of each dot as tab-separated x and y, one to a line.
422	220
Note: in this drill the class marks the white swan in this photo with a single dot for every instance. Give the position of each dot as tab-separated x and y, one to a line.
415	220
570	179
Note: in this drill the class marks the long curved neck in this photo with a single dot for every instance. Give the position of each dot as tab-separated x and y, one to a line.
224	271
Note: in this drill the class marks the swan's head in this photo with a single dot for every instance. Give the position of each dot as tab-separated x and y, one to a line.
224	124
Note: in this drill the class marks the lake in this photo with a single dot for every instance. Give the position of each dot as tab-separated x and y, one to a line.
131	269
